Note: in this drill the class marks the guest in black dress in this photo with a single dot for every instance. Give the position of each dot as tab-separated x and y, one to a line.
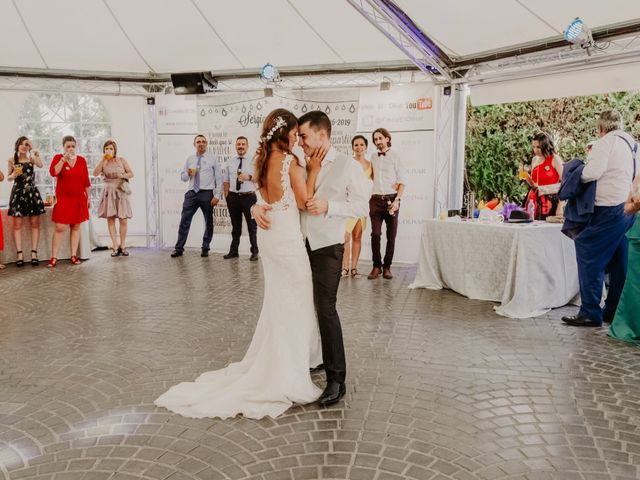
25	199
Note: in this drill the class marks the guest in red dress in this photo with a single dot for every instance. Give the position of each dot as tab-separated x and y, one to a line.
545	177
72	195
1	234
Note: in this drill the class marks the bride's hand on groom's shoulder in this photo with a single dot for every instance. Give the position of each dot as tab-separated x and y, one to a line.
260	215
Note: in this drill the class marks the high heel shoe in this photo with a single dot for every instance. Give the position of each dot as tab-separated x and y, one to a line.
52	262
75	260
115	253
34	261
19	261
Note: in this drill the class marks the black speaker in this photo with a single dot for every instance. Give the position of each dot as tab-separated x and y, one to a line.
193	83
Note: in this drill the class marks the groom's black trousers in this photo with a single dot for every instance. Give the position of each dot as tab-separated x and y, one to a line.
326	266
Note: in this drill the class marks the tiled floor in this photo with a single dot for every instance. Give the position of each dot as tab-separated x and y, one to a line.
439	386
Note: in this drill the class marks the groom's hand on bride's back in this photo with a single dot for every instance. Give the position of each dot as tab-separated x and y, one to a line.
261	216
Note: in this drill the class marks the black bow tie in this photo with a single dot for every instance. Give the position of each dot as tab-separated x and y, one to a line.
382	154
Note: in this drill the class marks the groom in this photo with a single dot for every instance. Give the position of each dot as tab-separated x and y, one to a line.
341	192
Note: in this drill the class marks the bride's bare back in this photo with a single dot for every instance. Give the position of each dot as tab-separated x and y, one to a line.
271	189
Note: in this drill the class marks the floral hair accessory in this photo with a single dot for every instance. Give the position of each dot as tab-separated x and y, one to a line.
280	122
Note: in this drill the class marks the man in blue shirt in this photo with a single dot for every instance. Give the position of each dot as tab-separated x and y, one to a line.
204	176
240	193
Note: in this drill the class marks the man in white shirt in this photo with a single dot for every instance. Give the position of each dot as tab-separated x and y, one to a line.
341	192
389	179
240	194
602	246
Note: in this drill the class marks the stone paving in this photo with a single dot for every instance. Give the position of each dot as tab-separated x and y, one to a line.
439	387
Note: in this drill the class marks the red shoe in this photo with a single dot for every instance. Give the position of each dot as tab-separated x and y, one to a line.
75	260
52	262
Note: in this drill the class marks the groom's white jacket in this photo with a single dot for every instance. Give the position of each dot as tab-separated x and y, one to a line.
343	184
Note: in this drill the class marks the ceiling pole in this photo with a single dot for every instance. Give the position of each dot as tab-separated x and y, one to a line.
312	28
135	49
26	27
215	32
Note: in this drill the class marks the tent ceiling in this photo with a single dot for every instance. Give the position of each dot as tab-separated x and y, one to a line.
146	36
492	25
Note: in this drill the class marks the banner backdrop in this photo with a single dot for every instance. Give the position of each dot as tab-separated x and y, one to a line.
225	117
405	111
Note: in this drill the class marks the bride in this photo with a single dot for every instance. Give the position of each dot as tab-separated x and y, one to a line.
274	373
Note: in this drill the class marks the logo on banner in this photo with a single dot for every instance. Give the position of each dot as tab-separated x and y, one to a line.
420	104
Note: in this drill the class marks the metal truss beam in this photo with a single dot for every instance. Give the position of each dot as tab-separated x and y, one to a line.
602	34
70	85
614	52
388	19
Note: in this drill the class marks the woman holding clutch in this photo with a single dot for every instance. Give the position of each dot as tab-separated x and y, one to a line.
544	180
115	199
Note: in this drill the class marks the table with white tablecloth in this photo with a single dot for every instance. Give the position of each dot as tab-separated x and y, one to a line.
46	234
528	268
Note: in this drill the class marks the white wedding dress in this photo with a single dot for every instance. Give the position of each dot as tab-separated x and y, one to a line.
274	373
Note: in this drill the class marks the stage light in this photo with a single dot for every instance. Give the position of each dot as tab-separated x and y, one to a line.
578	33
269	73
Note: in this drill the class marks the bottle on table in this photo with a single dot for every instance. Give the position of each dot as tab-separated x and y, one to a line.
531	210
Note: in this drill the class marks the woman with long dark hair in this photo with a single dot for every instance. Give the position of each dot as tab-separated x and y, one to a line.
25	199
544	180
274	372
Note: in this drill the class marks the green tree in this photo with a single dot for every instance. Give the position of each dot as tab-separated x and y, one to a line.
498	137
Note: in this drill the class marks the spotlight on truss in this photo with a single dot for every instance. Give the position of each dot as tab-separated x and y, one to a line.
578	33
269	73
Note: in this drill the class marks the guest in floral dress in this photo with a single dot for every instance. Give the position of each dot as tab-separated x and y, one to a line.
25	200
115	200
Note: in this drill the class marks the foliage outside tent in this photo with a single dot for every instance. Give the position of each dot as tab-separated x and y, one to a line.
498	137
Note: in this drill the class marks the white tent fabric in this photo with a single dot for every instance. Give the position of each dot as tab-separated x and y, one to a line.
585	81
469	27
141	36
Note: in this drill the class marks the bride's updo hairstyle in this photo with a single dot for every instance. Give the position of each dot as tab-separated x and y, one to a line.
274	136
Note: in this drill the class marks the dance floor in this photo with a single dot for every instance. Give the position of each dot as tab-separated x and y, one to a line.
439	386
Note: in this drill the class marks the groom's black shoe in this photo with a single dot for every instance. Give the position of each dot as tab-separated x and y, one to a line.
581	321
333	392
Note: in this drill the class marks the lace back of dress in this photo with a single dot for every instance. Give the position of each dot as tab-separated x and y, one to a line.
285	201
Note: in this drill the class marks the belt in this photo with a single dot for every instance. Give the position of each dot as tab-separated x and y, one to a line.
244	193
385	197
